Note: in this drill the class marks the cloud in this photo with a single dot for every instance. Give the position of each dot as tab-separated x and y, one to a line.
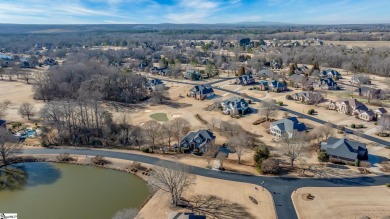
191	11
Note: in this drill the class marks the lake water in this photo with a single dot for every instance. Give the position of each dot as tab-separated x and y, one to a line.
54	191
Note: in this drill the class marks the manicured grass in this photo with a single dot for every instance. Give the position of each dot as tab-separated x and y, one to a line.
162	117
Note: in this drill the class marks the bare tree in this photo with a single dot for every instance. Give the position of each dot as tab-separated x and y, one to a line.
9	145
168	131
327	130
268	108
292	145
384	123
26	109
172	178
180	127
240	143
152	131
3	107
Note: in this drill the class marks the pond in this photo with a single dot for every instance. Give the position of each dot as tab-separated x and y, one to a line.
46	190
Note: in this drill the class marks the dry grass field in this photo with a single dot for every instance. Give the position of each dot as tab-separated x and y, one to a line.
346	203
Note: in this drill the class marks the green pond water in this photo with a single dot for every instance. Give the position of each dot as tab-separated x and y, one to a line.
53	191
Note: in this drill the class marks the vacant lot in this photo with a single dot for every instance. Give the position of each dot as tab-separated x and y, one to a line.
18	93
232	192
364	44
353	202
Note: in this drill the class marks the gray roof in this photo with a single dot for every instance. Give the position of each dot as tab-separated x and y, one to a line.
203	134
276	84
154	82
332	72
307	94
236	101
344	148
203	89
265	73
381	110
328	81
289	124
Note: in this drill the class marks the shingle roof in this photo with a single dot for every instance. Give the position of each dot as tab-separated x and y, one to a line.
343	148
236	101
289	124
203	89
203	134
381	110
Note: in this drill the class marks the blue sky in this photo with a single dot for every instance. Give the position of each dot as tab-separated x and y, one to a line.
193	11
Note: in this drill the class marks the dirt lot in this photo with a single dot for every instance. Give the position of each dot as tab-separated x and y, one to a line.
232	192
345	203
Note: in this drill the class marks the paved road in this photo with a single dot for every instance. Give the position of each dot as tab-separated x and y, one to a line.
281	188
303	115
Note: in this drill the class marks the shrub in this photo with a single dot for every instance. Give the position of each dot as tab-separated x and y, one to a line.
43	143
249	101
357	163
65	157
270	166
353	125
360	126
375	123
387	185
280	103
311	111
261	153
323	157
253	200
341	128
145	150
100	160
288	97
382	134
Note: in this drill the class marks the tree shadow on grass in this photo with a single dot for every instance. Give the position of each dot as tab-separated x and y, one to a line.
215	207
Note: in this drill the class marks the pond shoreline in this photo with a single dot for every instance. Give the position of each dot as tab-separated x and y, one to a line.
115	164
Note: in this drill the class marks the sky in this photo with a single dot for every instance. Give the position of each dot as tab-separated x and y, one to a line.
194	11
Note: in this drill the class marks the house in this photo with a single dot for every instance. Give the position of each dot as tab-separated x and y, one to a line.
351	106
234	106
308	97
263	85
3	123
360	79
326	84
160	71
50	62
276	86
286	125
184	215
25	64
198	141
368	92
297	80
380	112
344	149
366	115
245	80
192	75
330	73
265	73
155	85
201	92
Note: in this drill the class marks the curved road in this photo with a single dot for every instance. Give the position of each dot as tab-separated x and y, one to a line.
314	119
280	188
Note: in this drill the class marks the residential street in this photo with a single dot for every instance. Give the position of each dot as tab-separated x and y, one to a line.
281	188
